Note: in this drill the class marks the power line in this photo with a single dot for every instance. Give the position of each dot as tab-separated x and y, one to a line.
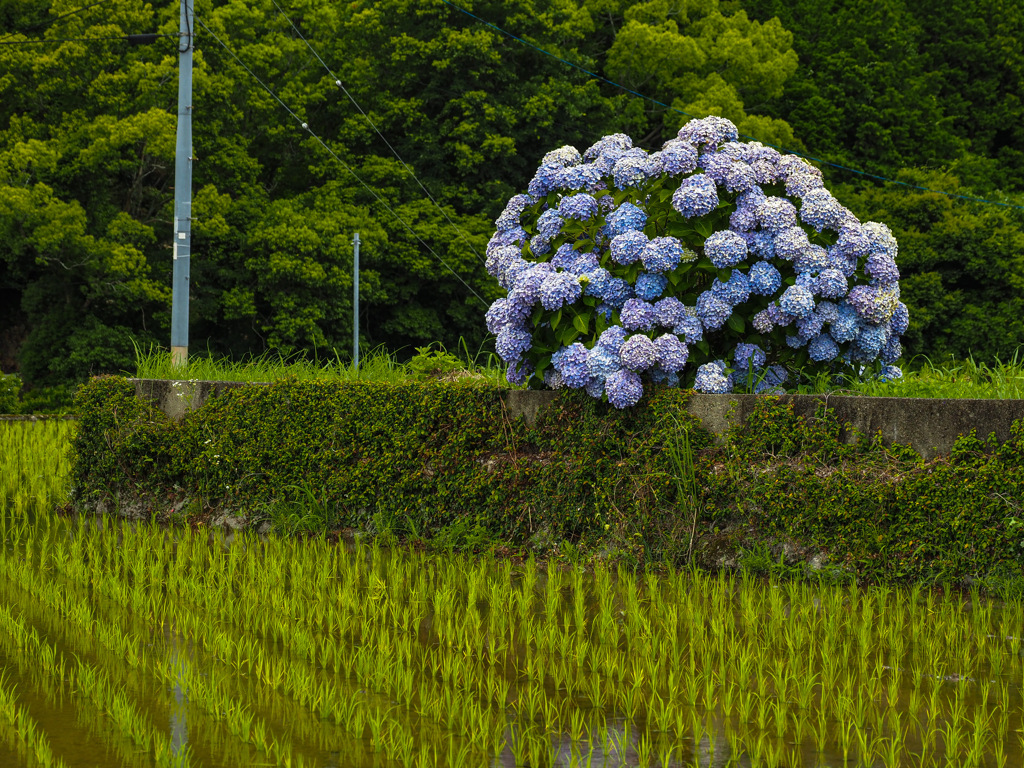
412	173
305	127
687	114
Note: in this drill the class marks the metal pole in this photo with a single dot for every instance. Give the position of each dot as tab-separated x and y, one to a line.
355	301
182	191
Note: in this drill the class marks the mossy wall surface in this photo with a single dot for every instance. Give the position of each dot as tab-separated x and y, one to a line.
429	458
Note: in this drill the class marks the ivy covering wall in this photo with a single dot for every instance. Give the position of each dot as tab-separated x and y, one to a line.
430	460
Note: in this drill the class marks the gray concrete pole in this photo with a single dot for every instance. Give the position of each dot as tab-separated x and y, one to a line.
182	191
355	301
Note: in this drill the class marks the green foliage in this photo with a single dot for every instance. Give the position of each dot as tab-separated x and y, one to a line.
10	390
447	462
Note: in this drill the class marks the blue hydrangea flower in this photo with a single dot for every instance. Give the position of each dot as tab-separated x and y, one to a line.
563	156
854	242
725	249
799	184
649	286
626	218
559	289
597	282
616	141
638	315
662	254
553	379
846	325
900	318
672	353
712	311
617	292
778	317
739	177
678	157
764	161
831	284
871	339
696	196
612	339
809	326
764	279
518	372
549	224
881	268
580	207
746	356
796	301
760	244
791	243
515	236
812	260
624	389
735	291
762	322
579	177
795	340
822	348
880	239
776	214
602	362
595	388
892	351
497	316
629	171
874	303
711	379
527	282
821	210
539	245
709	132
499	259
827	311
572	364
638	353
545	180
669	312
511	342
890	373
689	328
627	247
509	219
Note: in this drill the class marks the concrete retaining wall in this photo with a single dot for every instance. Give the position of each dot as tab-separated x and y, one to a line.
929	426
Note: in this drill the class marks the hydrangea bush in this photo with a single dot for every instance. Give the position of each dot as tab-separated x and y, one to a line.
713	264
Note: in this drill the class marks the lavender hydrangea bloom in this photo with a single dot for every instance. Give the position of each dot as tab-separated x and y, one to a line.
791	243
617	141
624	389
740	177
800	184
597	282
880	239
627	217
612	339
854	242
689	328
662	254
669	312
638	353
672	353
711	379
712	311
509	218
874	303
559	289
579	177
497	316
764	161
518	372
809	326
735	291
831	284
827	311
550	223
764	279
638	315
627	247
553	379
678	157
629	171
511	342
822	348
563	156
881	268
539	245
696	196
746	356
778	317
725	249
762	321
572	364
821	210
499	259
580	207
796	301
709	132
776	214
649	286
526	283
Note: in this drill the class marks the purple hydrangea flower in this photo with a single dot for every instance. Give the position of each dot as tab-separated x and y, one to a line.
874	303
563	156
572	364
880	239
821	210
712	311
746	356
515	236
626	218
499	259
649	286
539	245
629	171
735	291
553	379
580	207
831	284
696	196
638	353
881	268
764	279
689	328
672	353
511	342
800	184
678	157
627	247
812	260
624	389
518	372
497	316
762	321
725	249
739	177
612	339
711	379
619	142
549	224
509	219
791	243
579	177
776	214
796	301
617	292
827	311
809	326
669	312
602	362
638	315
900	318
662	254
709	132
559	289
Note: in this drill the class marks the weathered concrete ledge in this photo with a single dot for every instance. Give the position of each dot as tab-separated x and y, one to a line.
929	426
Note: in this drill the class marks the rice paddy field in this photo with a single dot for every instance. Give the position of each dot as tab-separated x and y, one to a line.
129	644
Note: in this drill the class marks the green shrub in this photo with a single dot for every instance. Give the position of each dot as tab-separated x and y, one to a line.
10	389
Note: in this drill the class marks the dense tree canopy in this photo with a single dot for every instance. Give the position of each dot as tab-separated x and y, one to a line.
87	142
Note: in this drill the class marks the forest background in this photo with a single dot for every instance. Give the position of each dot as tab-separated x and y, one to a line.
925	94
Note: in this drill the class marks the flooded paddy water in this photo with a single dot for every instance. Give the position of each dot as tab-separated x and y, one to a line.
129	644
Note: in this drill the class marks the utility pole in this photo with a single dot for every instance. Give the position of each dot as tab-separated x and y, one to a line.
182	191
355	301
